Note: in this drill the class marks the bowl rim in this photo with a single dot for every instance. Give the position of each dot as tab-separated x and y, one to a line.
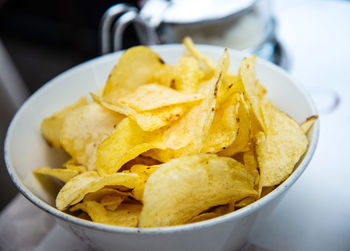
168	229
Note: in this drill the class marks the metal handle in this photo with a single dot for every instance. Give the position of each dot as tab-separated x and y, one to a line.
106	24
114	22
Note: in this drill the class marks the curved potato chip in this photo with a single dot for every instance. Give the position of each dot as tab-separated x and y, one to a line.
84	129
182	188
242	140
51	127
126	142
203	216
281	148
308	123
125	215
193	127
154	96
76	188
208	63
135	68
98	195
187	74
147	120
224	128
144	172
61	174
247	73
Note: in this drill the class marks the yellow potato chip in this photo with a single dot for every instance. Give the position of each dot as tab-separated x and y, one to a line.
187	74
247	73
126	143
164	76
281	148
203	216
242	140
76	188
135	68
308	123
126	215
112	202
251	165
245	202
51	127
154	96
73	165
224	128
84	129
144	172
192	129
231	85
98	195
147	120
208	63
61	174
182	188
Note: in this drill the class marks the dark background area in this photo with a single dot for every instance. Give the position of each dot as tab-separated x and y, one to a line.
45	38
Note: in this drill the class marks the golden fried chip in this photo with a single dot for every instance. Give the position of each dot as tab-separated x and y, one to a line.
187	74
203	216
147	120
126	215
242	141
245	202
308	123
98	195
144	172
61	174
84	129
164	76
182	188
251	164
126	142
112	202
135	68
281	148
247	73
208	63
223	130
51	127
154	96
187	134
76	188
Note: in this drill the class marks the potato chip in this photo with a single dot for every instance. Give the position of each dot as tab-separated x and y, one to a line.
187	74
308	123
250	162
208	63
223	130
51	127
203	216
112	202
247	73
281	148
100	194
144	172
126	142
245	202
126	215
147	120
164	76
84	129
73	165
61	174
154	96
76	188
242	140
135	68
186	135
182	188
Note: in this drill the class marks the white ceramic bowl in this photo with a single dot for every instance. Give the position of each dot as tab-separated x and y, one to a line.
26	150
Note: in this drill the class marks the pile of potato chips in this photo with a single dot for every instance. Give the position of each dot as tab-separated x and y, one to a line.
165	145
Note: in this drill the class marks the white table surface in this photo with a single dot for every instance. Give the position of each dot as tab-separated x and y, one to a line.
315	214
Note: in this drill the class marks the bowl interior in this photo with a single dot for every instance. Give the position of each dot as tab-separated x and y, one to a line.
25	149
